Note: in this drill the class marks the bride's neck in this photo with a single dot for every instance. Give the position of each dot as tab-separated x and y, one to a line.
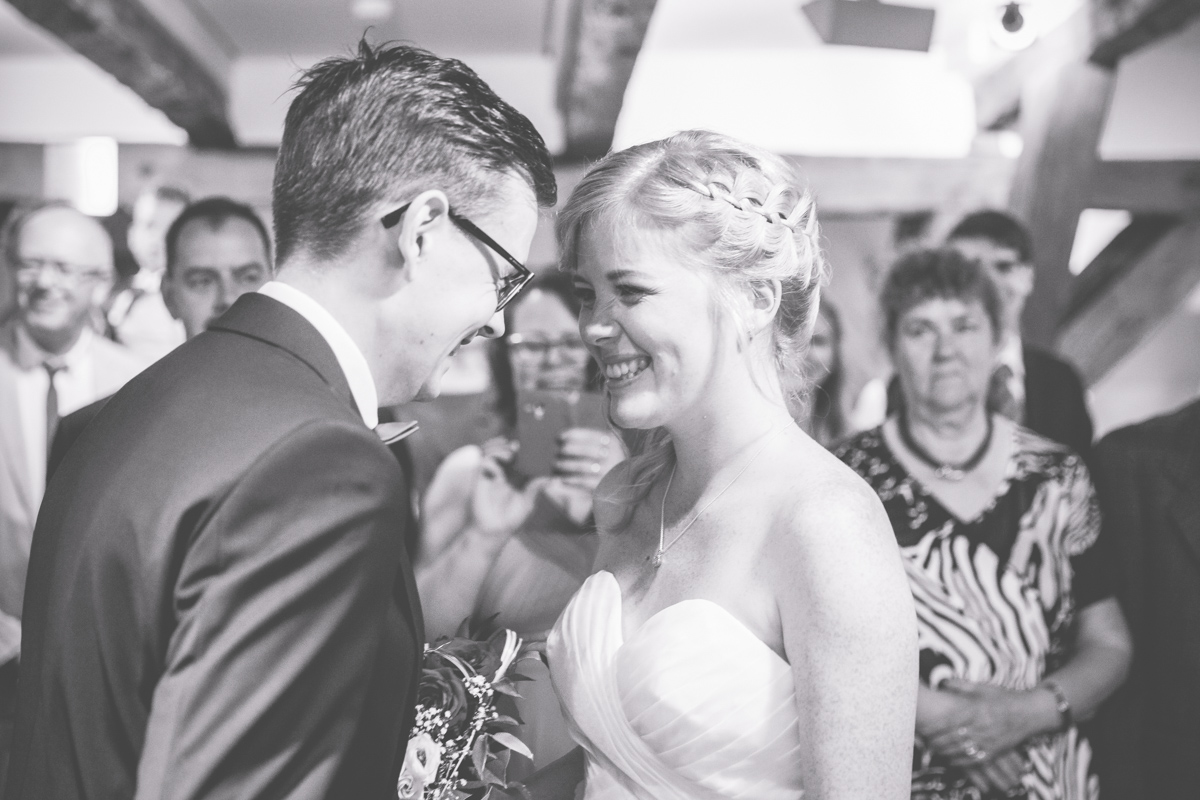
716	432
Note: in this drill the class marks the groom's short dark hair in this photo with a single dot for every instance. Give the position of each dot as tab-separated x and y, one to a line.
384	124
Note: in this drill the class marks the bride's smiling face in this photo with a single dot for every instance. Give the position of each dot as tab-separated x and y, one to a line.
649	320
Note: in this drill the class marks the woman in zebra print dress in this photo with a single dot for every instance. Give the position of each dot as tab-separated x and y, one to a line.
1020	635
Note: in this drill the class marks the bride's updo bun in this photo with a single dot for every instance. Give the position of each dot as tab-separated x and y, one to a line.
735	209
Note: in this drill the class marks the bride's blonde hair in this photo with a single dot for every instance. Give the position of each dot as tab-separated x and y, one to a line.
736	210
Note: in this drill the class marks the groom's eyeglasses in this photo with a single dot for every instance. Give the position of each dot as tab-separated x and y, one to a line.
508	286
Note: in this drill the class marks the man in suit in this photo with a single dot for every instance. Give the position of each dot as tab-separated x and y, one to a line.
1031	386
51	362
220	604
1148	482
216	250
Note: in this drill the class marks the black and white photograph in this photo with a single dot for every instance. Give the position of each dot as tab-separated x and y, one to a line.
599	399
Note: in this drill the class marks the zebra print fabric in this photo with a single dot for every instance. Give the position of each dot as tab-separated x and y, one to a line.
994	594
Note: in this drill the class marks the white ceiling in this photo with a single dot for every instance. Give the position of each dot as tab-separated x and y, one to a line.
256	48
321	27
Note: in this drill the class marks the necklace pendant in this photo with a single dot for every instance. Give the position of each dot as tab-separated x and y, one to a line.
948	473
657	560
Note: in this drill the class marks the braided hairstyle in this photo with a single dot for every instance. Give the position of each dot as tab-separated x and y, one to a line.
736	210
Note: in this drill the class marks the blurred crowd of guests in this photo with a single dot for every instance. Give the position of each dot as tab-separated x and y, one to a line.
978	444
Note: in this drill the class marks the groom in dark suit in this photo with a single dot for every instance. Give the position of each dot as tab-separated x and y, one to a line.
219	603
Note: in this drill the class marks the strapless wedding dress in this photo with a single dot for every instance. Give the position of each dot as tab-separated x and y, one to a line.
694	705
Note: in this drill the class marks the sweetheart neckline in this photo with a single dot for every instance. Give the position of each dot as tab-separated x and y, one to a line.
702	600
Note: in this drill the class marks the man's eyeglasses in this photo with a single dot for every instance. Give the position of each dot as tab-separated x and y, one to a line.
508	286
28	269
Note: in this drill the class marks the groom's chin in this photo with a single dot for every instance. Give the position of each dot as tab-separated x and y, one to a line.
431	388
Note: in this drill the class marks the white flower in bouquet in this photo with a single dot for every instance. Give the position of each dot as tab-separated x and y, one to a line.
421	762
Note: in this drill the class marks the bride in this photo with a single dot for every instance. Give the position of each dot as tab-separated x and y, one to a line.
749	632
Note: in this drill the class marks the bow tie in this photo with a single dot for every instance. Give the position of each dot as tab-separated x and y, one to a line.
392	432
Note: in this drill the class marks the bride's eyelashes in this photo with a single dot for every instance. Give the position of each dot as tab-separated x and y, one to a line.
631	294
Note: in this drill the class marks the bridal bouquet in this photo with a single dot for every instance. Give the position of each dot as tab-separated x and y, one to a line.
462	738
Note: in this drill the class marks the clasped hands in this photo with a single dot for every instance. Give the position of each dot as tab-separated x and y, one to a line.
980	728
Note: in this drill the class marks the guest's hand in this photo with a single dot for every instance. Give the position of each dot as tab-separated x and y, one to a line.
977	722
586	455
497	507
1002	773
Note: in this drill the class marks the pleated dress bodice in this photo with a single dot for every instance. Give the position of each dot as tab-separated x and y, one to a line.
693	705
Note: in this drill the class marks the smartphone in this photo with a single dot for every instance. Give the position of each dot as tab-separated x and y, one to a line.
542	416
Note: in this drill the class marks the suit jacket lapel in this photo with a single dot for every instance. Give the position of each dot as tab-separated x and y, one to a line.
268	320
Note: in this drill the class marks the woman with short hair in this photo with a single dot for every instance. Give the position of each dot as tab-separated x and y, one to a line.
1019	632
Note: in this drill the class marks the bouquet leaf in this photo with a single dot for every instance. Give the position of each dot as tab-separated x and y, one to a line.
462	740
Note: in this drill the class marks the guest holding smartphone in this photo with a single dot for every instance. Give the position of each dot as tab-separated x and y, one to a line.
498	543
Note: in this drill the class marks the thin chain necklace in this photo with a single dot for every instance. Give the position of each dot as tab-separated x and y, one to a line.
662	511
942	469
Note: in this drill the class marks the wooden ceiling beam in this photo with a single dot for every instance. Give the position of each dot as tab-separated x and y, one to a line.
905	185
127	41
1122	26
602	44
1061	122
1165	187
1144	290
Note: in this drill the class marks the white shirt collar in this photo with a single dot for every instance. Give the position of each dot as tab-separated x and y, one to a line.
30	355
1012	355
349	357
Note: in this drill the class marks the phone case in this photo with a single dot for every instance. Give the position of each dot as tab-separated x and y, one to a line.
542	416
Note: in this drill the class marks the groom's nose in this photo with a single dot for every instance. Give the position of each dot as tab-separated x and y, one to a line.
494	328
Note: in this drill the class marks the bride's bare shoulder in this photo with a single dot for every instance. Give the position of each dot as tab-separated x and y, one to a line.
828	508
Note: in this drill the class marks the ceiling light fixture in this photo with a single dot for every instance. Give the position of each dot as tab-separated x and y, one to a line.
371	10
1012	26
871	23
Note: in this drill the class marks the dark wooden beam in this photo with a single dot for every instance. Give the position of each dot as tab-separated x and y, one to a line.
602	44
1166	187
906	185
1121	255
1121	26
1062	118
126	40
1108	327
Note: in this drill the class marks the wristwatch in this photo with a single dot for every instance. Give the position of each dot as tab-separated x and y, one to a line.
1061	703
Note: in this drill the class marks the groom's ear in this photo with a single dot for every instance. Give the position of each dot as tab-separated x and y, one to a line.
420	230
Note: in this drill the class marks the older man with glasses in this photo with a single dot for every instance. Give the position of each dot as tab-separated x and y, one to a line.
59	263
224	606
51	363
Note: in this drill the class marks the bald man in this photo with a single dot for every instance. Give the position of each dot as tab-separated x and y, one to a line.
60	263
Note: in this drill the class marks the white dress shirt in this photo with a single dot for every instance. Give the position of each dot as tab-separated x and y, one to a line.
349	357
75	384
1013	357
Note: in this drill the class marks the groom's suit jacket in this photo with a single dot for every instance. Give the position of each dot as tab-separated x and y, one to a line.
219	603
